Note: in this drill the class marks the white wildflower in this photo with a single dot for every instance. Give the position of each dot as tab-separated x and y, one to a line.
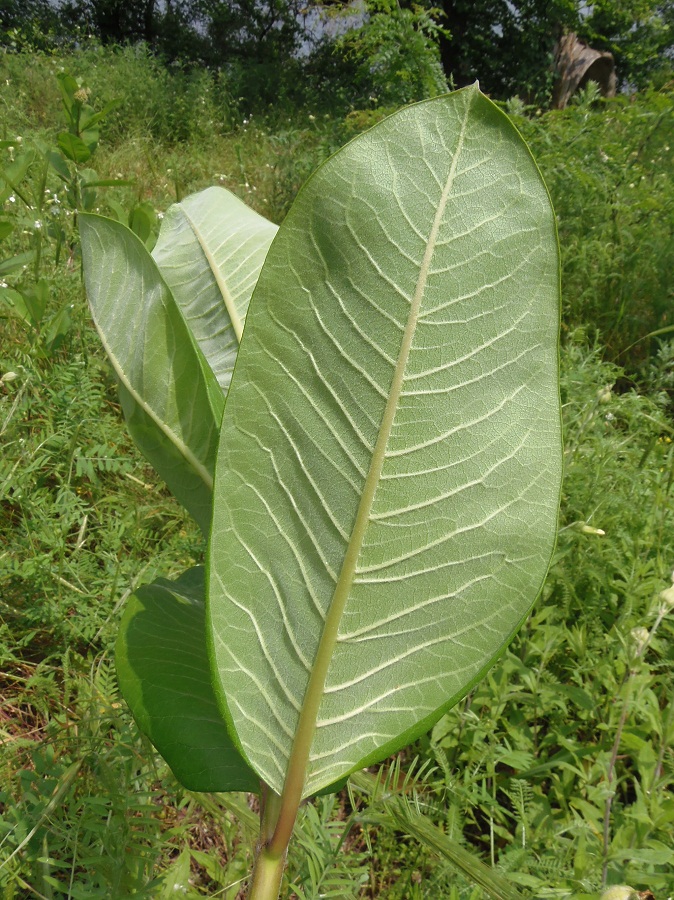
640	636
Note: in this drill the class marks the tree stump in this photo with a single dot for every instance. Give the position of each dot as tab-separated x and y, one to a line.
576	64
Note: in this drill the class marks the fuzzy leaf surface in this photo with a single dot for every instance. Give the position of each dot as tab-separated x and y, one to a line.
164	675
171	400
210	251
390	459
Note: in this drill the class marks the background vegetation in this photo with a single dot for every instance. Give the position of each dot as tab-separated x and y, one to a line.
274	54
559	767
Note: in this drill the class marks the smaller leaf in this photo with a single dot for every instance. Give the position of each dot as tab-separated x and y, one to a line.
164	675
36	299
67	88
73	147
90	138
118	212
171	400
14	174
6	229
210	251
14	263
176	879
59	165
87	180
14	300
143	222
90	120
57	329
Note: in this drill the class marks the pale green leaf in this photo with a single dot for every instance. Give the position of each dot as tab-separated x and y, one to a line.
390	462
163	673
210	251
171	400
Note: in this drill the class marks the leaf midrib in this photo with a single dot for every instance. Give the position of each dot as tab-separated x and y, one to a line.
227	298
299	756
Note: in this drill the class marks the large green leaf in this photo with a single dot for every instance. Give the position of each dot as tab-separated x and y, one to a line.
389	466
163	673
171	400
210	251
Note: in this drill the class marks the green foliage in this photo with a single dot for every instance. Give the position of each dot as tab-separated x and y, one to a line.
80	516
389	60
264	50
320	864
639	34
41	218
27	24
507	46
171	105
96	518
610	172
526	759
316	450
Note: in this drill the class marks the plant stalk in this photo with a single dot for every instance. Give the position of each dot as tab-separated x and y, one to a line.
610	774
267	876
269	863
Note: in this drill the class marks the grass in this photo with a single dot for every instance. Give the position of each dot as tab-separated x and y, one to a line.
559	766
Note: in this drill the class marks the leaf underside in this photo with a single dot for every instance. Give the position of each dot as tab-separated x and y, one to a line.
171	324
210	251
390	458
171	400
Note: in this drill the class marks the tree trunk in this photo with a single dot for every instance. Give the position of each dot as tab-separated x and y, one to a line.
456	19
148	21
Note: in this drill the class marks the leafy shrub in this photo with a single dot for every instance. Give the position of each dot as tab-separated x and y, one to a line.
172	104
609	166
389	60
526	759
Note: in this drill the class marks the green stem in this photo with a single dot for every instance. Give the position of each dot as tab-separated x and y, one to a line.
267	875
269	864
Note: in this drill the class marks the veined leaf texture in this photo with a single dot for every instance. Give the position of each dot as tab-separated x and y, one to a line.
389	465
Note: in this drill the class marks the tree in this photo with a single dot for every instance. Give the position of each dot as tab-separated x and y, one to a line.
112	21
26	23
639	34
509	46
389	59
257	31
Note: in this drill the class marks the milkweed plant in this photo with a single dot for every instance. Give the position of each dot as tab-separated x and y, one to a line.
374	460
